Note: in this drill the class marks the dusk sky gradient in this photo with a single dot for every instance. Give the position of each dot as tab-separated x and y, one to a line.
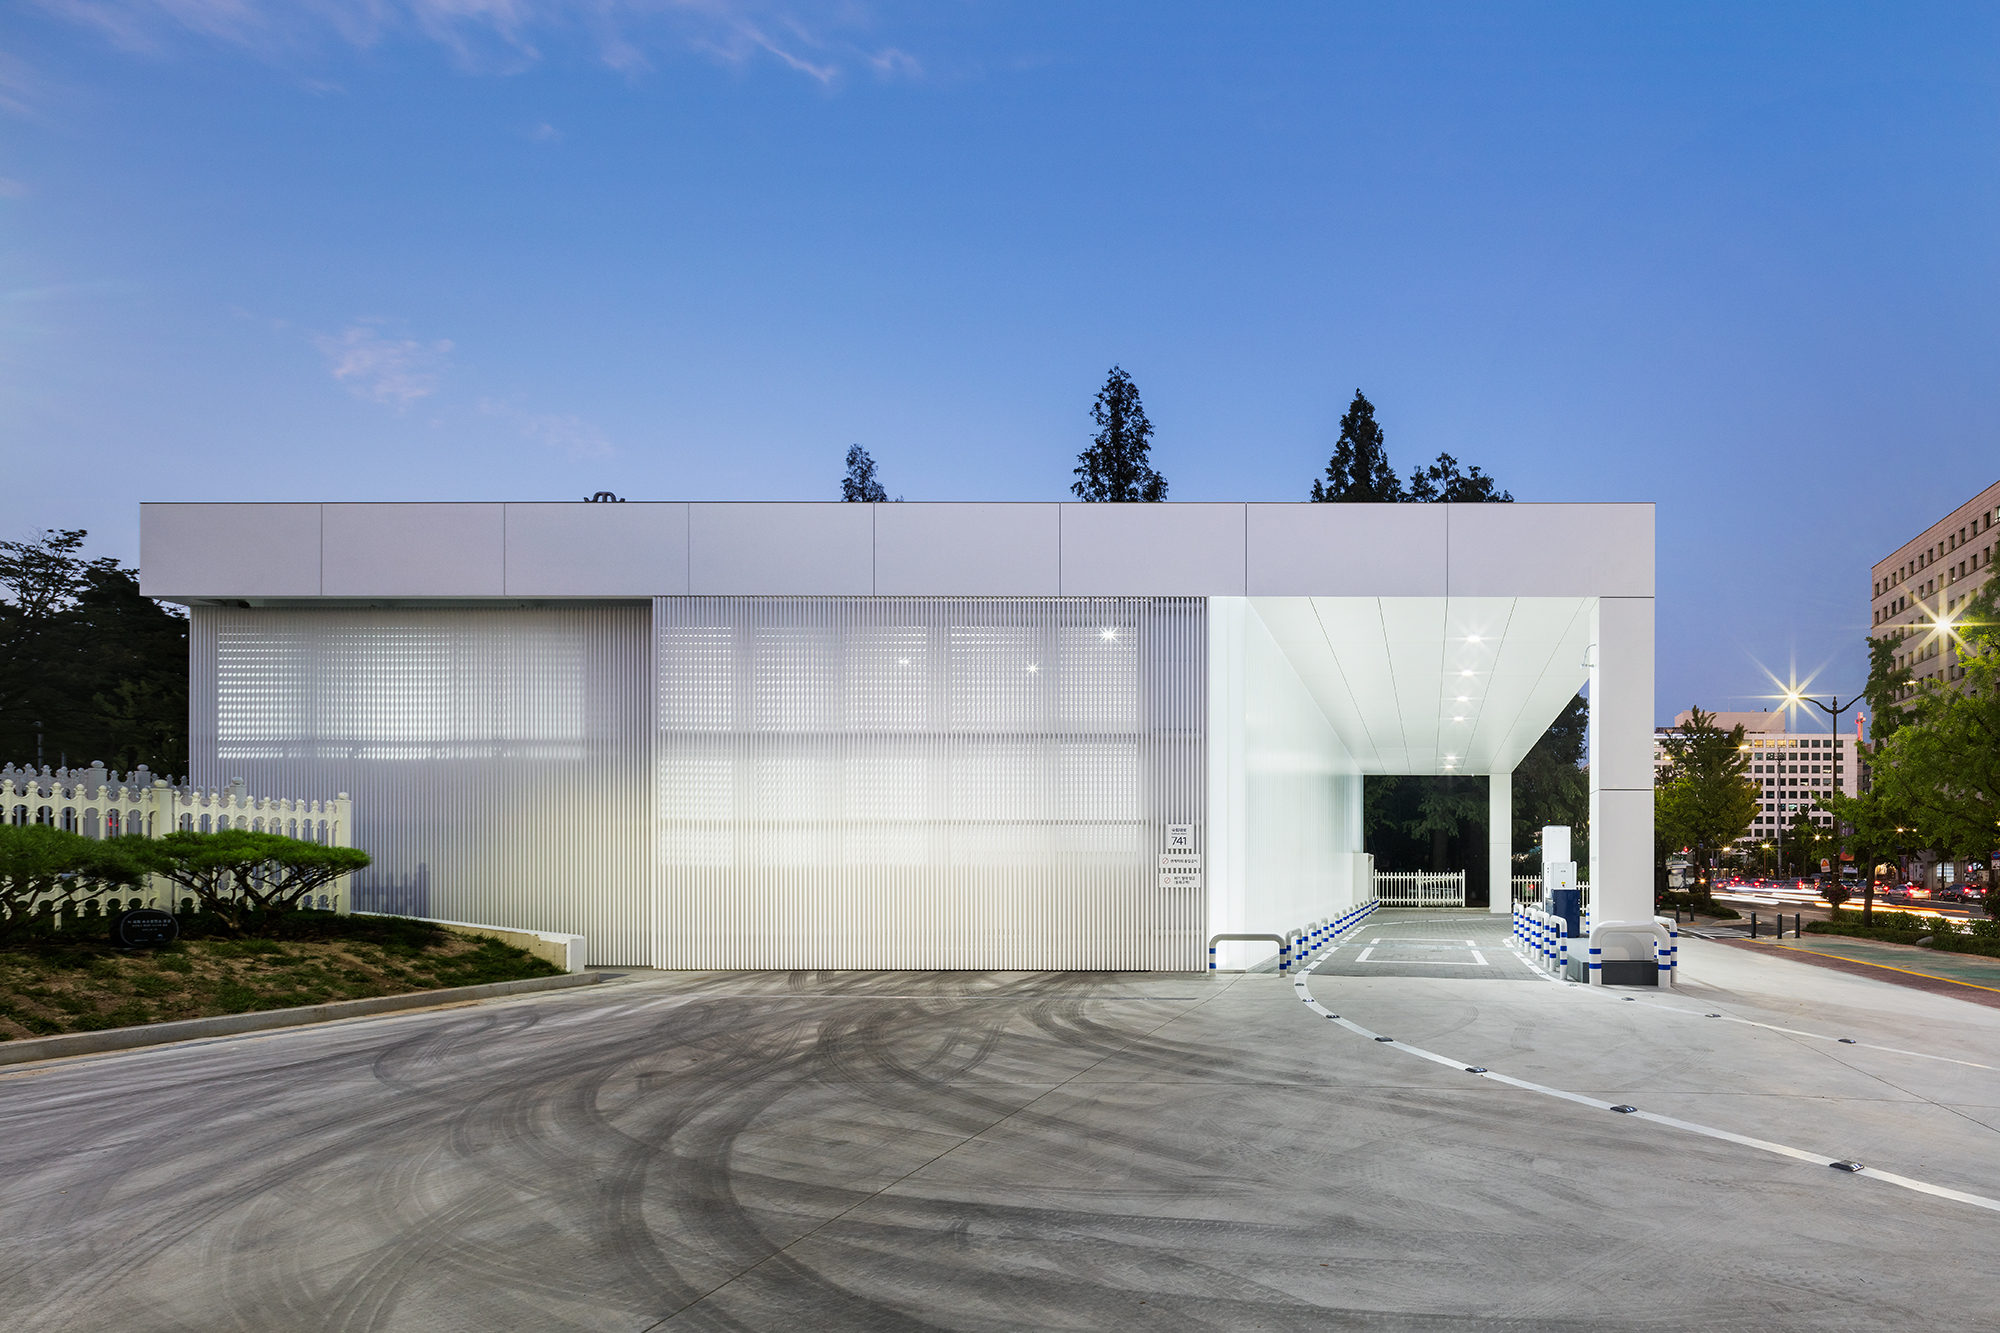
1737	260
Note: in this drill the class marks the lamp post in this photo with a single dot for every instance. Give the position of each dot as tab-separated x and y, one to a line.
1834	710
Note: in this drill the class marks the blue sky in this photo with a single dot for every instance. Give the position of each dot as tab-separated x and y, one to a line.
1738	260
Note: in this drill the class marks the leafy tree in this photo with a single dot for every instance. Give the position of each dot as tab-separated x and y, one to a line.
1875	830
1442	481
1887	686
1940	769
1116	466
240	876
1359	471
1703	801
87	661
860	484
1552	786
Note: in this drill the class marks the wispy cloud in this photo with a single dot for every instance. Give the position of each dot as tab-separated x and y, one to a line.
392	371
821	39
571	436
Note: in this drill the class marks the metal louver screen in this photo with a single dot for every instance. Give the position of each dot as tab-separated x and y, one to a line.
498	758
926	782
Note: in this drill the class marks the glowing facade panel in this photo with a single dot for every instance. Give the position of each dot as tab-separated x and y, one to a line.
927	782
497	758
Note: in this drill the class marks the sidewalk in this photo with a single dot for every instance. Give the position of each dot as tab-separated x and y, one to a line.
1965	976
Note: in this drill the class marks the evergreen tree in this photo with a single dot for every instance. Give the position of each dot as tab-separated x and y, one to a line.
1442	481
860	485
1359	470
1116	467
87	664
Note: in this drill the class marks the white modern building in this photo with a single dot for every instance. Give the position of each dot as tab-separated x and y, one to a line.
906	735
1794	770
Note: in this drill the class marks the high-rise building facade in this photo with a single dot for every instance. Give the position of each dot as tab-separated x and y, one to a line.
1929	579
1794	770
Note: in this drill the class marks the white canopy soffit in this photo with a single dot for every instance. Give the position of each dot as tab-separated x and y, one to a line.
1435	684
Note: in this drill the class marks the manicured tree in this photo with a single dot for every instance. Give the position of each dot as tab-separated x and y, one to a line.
1116	467
37	864
300	869
243	877
1359	471
217	868
859	485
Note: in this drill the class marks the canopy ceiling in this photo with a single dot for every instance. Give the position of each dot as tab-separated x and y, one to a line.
1436	684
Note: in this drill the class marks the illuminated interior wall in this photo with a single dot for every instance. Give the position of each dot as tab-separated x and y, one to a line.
498	758
1284	793
903	782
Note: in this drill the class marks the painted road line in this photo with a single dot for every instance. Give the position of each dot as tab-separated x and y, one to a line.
1908	972
1688	1126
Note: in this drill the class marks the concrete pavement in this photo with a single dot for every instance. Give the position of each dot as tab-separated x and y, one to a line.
1027	1151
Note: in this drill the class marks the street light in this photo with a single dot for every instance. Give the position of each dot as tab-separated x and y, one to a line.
1834	710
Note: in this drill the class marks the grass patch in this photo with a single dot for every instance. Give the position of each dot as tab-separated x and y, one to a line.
1949	937
76	981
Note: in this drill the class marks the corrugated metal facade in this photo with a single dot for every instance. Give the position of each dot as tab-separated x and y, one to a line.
927	782
498	759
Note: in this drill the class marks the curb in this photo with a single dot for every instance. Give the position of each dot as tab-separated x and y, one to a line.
229	1025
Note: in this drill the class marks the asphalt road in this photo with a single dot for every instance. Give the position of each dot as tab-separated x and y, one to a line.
1000	1152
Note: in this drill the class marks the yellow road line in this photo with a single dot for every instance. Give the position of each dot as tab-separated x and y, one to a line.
1928	976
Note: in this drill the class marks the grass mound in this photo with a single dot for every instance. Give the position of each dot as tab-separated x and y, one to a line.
77	981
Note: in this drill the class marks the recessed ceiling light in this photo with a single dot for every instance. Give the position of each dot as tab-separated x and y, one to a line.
1466	672
1472	638
1464	698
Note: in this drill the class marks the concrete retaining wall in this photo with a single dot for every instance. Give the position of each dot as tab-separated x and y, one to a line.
565	951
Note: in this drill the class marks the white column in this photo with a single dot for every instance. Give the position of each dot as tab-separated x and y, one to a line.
1621	759
1500	843
1223	843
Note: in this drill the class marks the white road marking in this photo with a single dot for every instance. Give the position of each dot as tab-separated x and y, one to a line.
1709	1131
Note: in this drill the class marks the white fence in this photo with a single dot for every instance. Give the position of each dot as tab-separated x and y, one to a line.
97	803
1528	889
1420	888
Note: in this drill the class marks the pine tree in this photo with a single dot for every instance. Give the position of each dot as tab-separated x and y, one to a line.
1115	467
1359	470
859	484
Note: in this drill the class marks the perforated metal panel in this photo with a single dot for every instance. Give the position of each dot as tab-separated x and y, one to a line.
498	758
926	782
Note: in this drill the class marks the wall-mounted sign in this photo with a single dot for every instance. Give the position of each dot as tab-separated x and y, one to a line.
1180	860
1180	879
1180	837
